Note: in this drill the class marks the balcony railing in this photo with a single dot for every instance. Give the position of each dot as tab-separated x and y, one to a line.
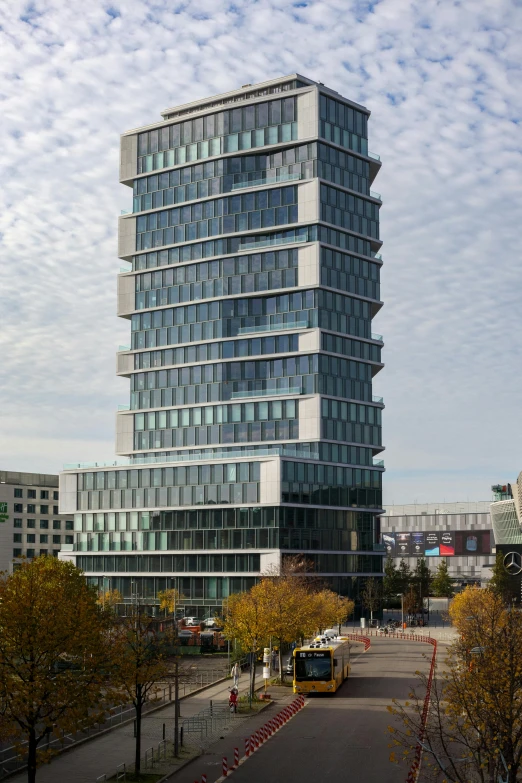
377	256
125	211
124	407
374	155
127	347
125	269
378	399
273	241
374	194
272	327
275	451
376	336
378	463
265	181
265	392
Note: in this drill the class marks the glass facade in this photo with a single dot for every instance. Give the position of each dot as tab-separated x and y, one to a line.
252	427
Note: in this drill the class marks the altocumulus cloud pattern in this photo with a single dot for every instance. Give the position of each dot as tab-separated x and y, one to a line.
443	82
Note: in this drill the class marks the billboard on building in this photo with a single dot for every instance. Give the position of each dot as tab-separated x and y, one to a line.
436	543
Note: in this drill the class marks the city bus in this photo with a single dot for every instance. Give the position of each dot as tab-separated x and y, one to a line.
321	668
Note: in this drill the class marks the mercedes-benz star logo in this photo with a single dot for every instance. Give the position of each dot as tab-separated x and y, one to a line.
513	563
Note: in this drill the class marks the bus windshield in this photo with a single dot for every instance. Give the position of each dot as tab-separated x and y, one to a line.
314	666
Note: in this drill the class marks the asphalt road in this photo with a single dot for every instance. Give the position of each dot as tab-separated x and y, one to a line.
344	736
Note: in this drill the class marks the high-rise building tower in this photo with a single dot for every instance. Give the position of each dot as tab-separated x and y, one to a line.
253	279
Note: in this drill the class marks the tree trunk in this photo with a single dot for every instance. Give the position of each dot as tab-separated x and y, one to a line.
31	756
253	680
139	706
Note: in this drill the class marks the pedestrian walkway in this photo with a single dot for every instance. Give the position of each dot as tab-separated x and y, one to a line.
87	761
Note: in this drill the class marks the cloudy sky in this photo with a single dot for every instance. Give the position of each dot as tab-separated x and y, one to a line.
442	79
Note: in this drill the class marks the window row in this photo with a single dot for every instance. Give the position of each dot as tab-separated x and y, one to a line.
317	495
233	563
251	307
244	221
219	145
351	265
339	199
200	519
202	494
169	477
30	553
192	588
221	207
44	538
217	433
217	414
31	493
232	349
179	540
230	245
310	473
343	160
228	167
223	286
243	118
210	270
345	116
225	175
350	412
349	221
350	283
337	540
44	524
260	369
345	345
333	429
350	141
18	508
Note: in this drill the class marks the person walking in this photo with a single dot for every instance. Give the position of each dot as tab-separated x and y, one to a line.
236	673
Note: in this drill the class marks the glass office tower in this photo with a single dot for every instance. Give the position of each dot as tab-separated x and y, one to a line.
252	282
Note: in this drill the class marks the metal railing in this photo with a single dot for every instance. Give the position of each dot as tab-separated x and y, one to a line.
266	181
272	327
266	392
275	240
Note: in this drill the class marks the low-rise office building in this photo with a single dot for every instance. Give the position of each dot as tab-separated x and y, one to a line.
459	533
30	524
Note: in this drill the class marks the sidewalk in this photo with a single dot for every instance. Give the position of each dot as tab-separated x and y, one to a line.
101	755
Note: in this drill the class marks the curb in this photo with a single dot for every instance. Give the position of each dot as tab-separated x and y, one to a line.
255	741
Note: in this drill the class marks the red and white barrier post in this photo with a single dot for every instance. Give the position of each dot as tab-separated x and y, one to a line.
247	747
225	766
236	757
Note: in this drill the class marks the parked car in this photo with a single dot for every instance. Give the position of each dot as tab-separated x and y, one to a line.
289	668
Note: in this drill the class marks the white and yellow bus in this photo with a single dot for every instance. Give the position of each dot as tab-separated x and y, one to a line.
321	668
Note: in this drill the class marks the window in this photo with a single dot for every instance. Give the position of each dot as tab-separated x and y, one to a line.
30	552
55	495
69	524
17	538
43	551
19	508
31	523
57	539
57	525
44	509
17	553
31	493
69	539
44	494
44	539
55	510
44	524
31	508
31	538
18	493
17	523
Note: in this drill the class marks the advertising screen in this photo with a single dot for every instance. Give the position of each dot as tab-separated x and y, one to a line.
402	541
447	543
417	544
431	544
388	539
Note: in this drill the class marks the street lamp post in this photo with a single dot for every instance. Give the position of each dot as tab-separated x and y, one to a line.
402	611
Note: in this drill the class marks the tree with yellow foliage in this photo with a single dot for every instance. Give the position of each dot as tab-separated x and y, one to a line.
474	723
109	599
169	600
54	656
244	619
